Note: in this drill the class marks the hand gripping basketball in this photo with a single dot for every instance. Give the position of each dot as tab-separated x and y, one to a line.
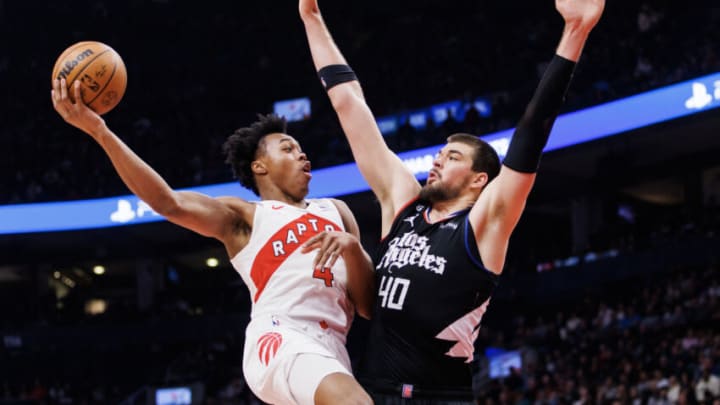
98	68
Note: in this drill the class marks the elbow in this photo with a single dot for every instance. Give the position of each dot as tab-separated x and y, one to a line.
345	96
166	206
364	312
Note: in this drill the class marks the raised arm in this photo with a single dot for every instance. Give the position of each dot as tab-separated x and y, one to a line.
200	213
391	181
500	206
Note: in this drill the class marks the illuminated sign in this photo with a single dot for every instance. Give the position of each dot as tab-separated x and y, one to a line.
173	396
293	110
644	109
438	113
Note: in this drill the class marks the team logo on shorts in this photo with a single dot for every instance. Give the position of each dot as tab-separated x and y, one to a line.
268	346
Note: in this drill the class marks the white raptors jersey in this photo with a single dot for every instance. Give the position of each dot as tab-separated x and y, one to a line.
281	279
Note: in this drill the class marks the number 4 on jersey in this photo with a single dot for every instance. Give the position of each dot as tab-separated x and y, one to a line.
324	274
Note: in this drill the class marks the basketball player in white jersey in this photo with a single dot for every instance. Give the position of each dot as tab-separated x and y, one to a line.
302	302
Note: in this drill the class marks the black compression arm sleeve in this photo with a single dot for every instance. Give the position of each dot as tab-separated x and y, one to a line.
534	127
332	75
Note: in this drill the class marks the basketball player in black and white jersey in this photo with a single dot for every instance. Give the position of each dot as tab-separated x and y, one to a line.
443	244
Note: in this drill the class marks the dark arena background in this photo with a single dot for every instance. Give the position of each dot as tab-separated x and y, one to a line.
611	287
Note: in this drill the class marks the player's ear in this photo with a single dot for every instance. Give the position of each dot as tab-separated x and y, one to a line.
258	167
479	181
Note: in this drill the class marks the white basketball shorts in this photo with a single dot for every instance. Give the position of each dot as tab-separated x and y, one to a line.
284	364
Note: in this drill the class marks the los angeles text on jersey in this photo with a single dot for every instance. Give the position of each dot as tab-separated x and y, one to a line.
411	249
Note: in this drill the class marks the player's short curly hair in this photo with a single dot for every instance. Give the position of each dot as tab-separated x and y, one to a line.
243	146
486	158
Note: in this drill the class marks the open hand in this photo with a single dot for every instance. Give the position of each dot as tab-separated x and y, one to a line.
330	246
308	8
75	113
581	13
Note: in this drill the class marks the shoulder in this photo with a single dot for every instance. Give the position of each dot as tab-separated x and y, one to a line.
413	206
245	210
238	203
347	216
342	208
340	204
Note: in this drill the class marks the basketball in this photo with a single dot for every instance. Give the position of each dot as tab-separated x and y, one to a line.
100	71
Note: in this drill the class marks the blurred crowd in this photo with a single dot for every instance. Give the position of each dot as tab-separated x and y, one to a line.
654	341
197	73
641	340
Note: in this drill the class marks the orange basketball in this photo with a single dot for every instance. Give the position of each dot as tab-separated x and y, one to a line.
100	71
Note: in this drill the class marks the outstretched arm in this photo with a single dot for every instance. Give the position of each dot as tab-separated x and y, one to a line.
391	181
197	212
499	207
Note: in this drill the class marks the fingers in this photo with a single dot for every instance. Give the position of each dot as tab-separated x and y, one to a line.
53	98
78	93
312	243
63	90
55	90
328	260
60	91
60	101
333	259
329	248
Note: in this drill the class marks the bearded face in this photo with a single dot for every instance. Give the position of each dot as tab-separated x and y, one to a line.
438	191
451	174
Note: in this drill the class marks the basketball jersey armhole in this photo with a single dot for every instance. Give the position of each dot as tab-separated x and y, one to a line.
397	215
471	248
256	222
332	203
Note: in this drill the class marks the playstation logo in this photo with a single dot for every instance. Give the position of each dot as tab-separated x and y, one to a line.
700	96
126	213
